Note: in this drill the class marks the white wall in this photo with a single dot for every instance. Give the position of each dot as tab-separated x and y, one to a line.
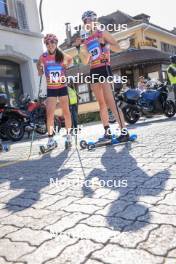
30	48
24	47
32	15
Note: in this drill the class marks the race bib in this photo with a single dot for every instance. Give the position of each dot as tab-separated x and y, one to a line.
94	49
55	74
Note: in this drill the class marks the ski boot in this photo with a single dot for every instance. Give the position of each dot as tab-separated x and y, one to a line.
126	137
123	138
107	135
52	144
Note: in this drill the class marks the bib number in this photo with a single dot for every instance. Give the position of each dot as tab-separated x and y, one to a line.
55	76
95	53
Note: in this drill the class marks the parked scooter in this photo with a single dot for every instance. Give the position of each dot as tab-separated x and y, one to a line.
153	101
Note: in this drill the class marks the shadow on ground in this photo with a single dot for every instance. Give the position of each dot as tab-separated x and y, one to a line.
31	177
125	210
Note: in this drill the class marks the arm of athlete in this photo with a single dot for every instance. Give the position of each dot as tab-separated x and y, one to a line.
40	67
68	60
82	51
108	38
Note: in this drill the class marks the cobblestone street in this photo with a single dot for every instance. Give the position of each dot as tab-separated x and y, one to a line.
112	205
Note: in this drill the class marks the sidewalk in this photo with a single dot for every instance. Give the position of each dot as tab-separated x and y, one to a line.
112	205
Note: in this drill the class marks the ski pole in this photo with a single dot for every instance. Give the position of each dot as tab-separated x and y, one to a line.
78	69
33	132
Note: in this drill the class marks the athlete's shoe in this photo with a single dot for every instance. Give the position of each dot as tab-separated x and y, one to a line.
106	137
124	138
51	142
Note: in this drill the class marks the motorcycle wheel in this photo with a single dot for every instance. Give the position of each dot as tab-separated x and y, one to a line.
3	134
15	129
169	109
39	118
131	114
41	128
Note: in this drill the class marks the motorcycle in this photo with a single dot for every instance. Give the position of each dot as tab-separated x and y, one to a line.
36	111
11	120
36	114
30	116
135	104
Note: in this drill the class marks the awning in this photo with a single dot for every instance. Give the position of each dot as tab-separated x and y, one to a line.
129	58
137	57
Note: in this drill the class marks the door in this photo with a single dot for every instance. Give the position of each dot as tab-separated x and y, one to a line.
10	81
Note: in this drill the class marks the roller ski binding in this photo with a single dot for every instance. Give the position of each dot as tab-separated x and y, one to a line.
52	144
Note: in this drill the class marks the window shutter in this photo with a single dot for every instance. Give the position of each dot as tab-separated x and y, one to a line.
21	13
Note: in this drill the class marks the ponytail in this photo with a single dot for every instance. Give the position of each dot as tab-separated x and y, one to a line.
59	57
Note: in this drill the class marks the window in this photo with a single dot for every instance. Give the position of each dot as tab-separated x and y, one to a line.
153	75
10	81
3	7
21	12
168	48
152	42
84	93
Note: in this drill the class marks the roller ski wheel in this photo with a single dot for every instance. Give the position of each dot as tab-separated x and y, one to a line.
83	144
133	137
45	149
68	145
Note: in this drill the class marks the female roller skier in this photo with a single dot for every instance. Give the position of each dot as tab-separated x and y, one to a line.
53	63
95	50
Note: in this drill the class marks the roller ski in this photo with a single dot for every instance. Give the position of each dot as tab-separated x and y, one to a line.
52	144
105	141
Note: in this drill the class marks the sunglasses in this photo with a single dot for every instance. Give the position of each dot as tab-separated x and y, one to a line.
89	20
51	42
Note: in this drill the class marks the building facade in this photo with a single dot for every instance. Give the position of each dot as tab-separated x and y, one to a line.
148	53
20	47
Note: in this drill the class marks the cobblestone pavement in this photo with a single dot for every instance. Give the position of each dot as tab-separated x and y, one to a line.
113	205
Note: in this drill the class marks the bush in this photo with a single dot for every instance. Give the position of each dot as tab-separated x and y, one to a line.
88	117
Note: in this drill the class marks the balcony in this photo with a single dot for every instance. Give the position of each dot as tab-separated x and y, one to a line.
8	21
